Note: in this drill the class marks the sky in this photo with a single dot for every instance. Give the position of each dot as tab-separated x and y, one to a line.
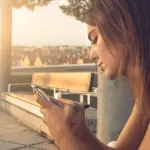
47	26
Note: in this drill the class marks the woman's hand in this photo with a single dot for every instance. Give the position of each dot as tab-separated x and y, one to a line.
63	120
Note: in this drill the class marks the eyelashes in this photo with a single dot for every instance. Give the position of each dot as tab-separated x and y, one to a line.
95	40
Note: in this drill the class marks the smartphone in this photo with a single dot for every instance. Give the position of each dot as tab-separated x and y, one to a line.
41	93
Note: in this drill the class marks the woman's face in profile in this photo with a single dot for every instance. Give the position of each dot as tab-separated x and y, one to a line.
107	62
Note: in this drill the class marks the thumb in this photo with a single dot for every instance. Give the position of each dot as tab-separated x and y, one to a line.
69	113
77	107
79	118
73	112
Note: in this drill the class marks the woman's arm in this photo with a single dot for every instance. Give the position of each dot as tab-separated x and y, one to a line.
69	129
85	142
133	132
129	139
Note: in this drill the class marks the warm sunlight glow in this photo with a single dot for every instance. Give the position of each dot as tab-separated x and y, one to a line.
47	26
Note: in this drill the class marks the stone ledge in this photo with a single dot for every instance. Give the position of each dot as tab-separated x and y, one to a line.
36	122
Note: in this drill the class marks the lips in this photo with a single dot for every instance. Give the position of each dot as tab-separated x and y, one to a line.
102	68
99	64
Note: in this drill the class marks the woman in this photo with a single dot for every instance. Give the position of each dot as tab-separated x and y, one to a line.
120	33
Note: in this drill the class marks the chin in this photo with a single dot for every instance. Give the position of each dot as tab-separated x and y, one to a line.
110	75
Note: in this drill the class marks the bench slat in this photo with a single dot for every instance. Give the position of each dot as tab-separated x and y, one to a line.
31	99
68	81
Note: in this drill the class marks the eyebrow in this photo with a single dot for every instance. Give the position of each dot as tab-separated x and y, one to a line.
89	35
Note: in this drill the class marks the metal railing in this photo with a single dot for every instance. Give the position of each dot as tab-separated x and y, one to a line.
56	68
24	74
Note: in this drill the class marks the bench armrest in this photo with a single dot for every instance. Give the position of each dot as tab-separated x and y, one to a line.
79	93
88	94
20	87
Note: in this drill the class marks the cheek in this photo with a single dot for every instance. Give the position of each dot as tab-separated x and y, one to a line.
113	62
102	51
110	63
111	67
104	55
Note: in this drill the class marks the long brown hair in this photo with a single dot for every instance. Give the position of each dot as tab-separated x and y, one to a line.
127	22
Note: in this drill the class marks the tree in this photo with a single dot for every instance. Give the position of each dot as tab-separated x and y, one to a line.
80	9
30	4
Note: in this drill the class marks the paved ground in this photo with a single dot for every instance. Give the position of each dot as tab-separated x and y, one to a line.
16	136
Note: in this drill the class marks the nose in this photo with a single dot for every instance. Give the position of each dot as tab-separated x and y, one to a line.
94	57
93	54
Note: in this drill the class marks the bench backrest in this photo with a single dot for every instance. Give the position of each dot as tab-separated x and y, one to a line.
81	82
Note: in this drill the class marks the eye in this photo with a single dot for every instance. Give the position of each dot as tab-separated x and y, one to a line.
95	40
93	54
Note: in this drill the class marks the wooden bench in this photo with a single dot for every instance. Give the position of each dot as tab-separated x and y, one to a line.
23	104
62	84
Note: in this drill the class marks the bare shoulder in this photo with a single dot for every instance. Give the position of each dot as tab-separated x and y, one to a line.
145	145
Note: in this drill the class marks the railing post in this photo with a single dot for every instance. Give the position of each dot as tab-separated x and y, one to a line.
5	43
81	98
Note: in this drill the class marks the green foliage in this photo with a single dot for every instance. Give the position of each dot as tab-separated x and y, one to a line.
30	4
79	9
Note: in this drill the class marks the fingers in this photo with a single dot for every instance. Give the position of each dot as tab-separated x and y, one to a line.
69	112
73	108
43	111
58	102
47	104
46	115
44	103
77	107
